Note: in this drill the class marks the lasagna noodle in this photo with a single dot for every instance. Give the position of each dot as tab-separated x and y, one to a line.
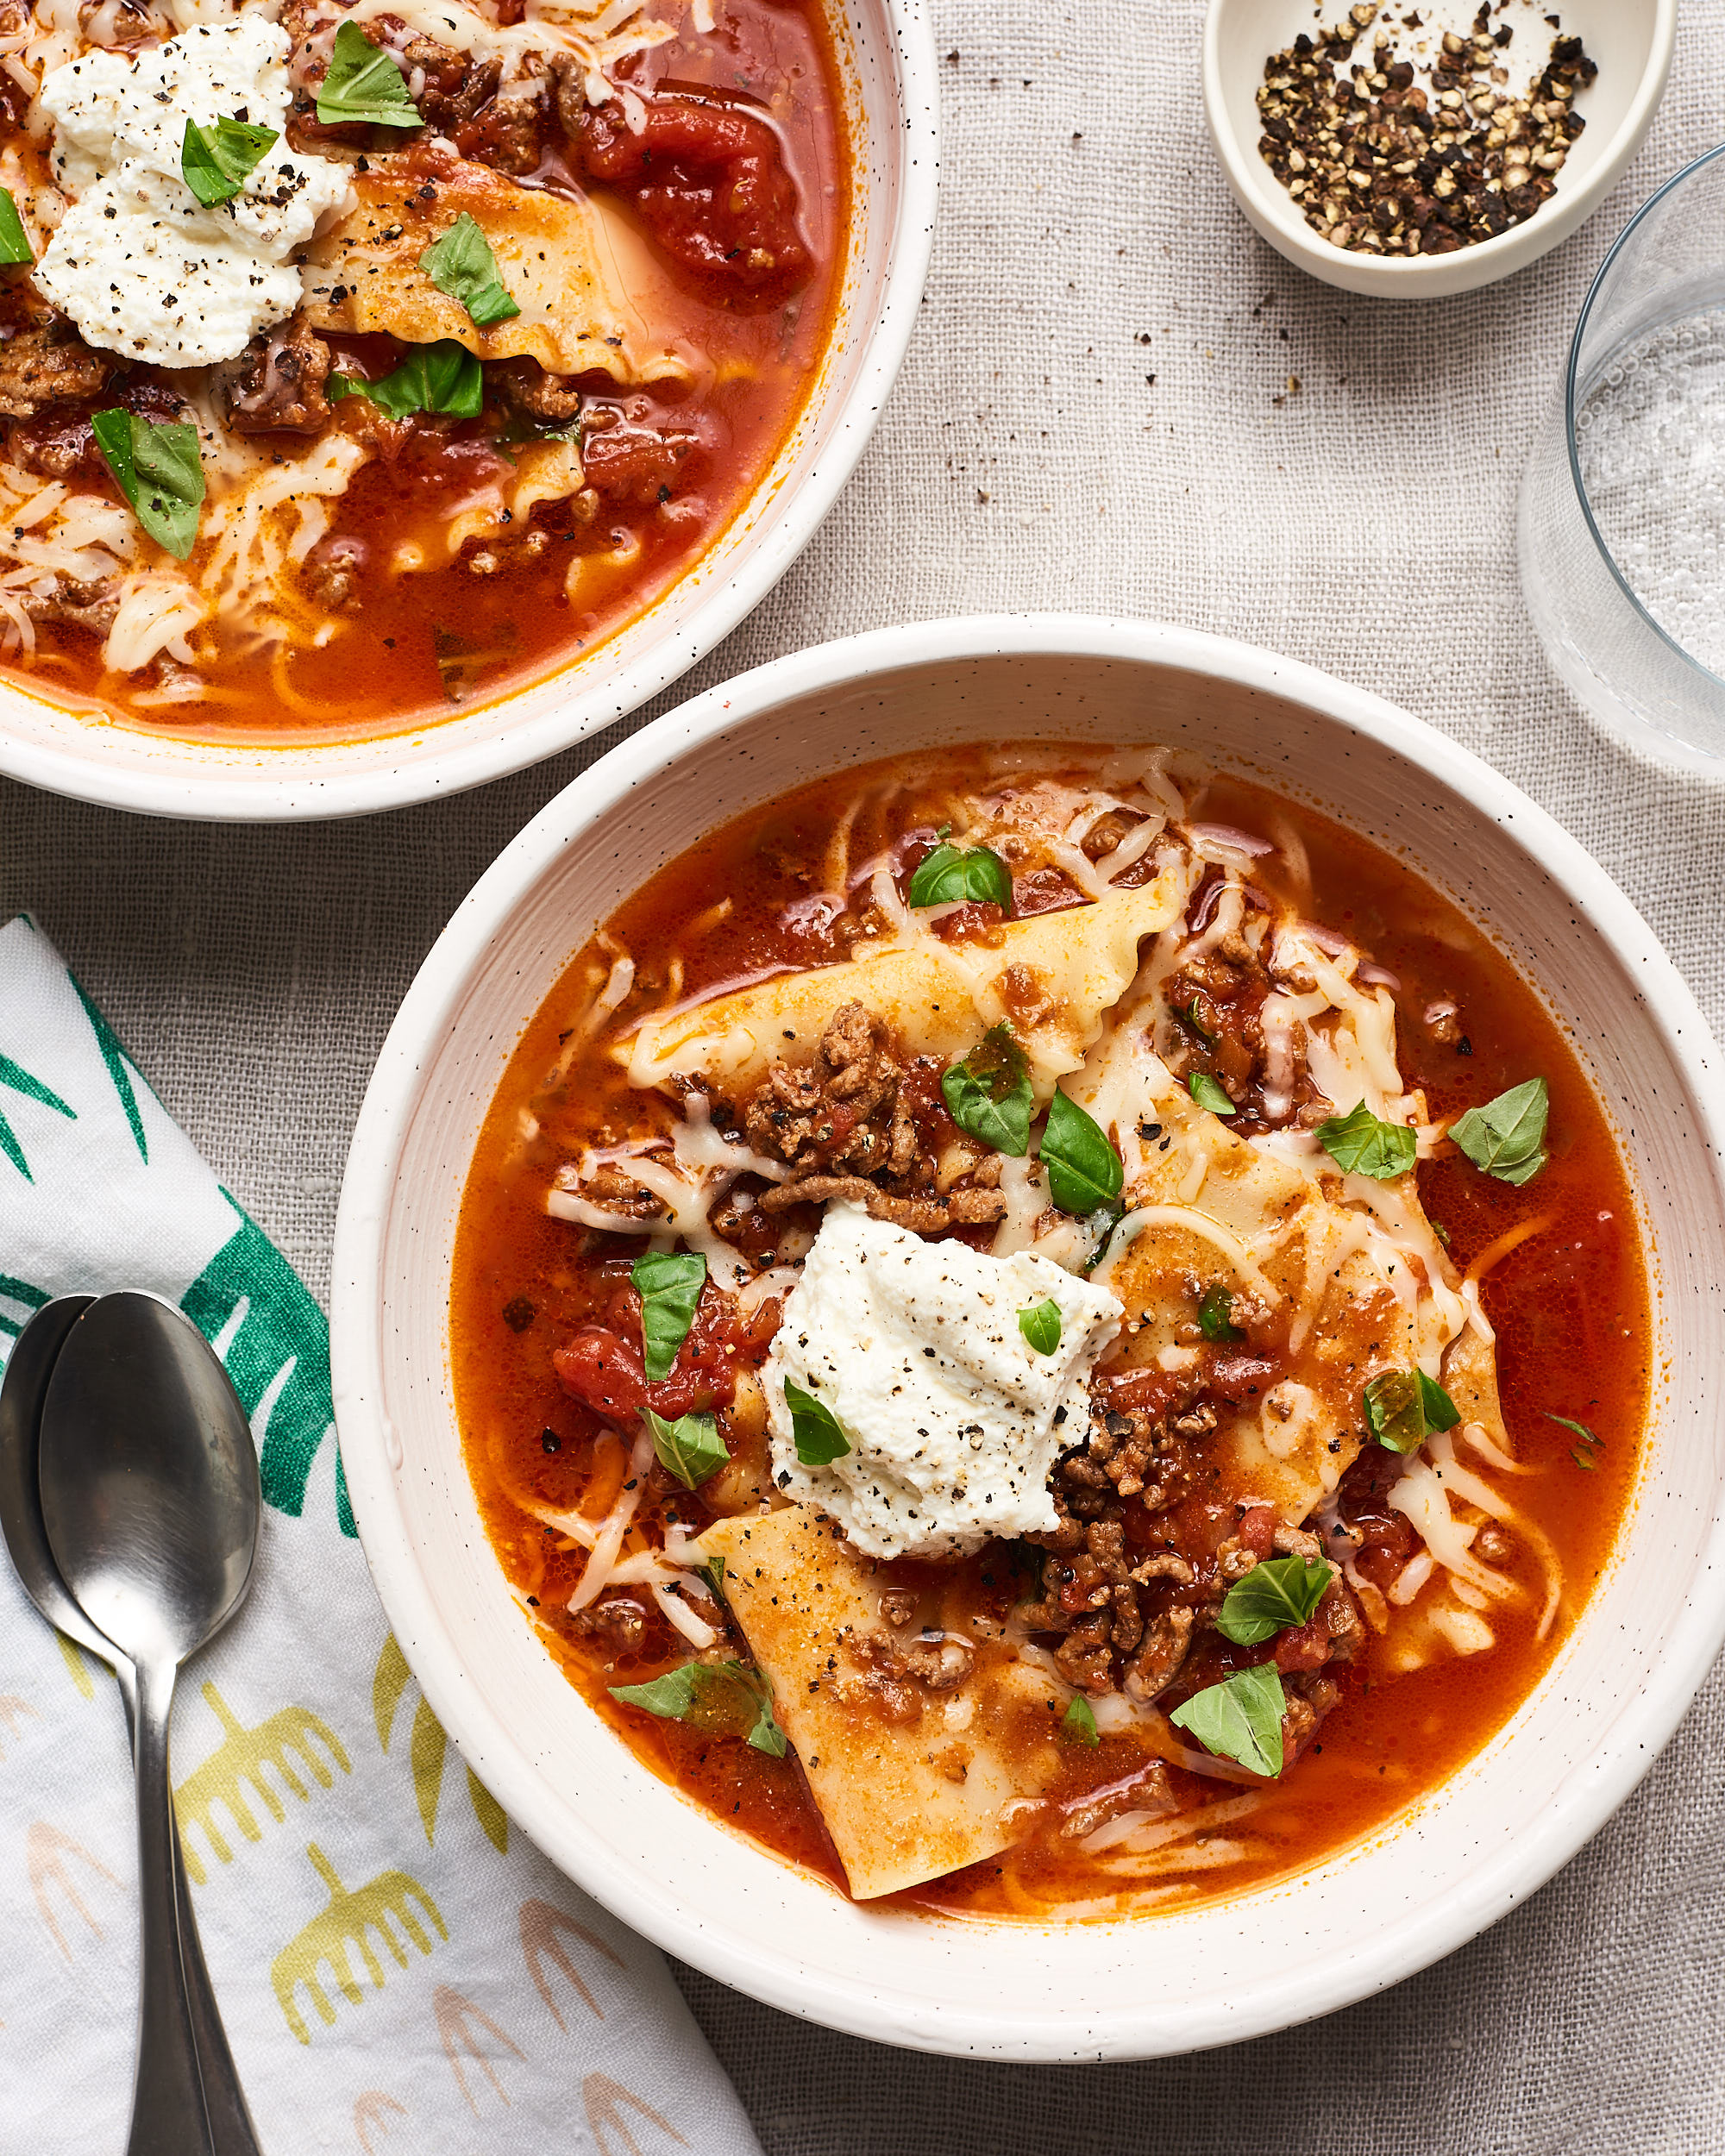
1210	1208
939	998
903	1801
591	300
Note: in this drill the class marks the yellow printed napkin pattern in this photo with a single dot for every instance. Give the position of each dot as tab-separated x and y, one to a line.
399	1969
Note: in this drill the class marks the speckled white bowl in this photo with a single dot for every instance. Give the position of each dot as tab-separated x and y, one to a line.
1408	1894
886	58
1633	41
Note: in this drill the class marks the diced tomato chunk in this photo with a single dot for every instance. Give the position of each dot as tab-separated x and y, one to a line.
603	1372
709	181
1304	1647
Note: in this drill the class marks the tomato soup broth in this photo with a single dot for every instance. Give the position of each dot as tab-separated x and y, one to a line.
1125	1809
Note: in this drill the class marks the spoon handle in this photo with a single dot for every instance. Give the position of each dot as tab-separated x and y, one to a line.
232	2130
167	2094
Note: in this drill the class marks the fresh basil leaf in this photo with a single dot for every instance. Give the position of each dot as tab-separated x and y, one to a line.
1361	1144
989	1094
1079	1722
669	1284
671	1697
1580	1429
15	244
1208	1093
713	1573
1216	1315
441	376
160	471
1439	1410
364	84
1084	1171
1240	1719
1394	1411
707	1692
1188	1015
214	161
1273	1597
1507	1137
951	873
690	1448
819	1439
1041	1326
462	264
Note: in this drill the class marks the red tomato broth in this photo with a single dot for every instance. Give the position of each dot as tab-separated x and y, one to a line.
1570	1305
429	643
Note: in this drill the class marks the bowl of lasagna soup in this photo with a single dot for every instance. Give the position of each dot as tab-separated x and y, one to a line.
393	391
1021	1328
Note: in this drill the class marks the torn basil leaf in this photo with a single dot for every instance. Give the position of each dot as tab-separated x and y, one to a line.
441	376
1216	1315
711	1694
1402	1407
1273	1597
819	1439
1041	1326
1507	1137
1441	1411
1079	1722
1360	1143
364	84
15	244
1084	1171
160	471
215	161
462	265
989	1094
951	874
1240	1719
690	1448
669	1284
713	1573
1580	1429
1209	1092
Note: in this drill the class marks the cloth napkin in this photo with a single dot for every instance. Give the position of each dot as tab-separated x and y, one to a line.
399	1969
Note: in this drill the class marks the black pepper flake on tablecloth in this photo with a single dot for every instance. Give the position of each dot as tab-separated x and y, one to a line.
1382	164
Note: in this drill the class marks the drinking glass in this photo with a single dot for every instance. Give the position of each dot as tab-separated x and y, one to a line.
1622	526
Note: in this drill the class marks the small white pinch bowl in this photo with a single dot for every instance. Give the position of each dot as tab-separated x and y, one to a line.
1359	1920
886	65
1633	41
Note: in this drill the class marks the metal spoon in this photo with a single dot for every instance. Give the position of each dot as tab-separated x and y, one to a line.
22	1393
150	1500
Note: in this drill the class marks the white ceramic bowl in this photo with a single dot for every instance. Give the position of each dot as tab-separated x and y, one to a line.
1632	40
887	60
1359	1921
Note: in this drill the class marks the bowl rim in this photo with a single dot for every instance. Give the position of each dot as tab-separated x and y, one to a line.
174	783
1270	210
1593	1785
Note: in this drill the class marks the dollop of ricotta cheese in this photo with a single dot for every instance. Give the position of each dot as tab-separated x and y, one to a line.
138	262
954	1420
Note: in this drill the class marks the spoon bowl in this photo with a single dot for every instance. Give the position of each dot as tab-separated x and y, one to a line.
28	1371
148	1478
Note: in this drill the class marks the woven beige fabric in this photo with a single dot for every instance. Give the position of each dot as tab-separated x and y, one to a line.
1087	244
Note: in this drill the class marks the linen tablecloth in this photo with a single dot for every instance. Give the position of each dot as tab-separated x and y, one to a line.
1117	399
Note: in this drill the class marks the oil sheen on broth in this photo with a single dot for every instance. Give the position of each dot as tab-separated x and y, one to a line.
362	567
1047	1705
